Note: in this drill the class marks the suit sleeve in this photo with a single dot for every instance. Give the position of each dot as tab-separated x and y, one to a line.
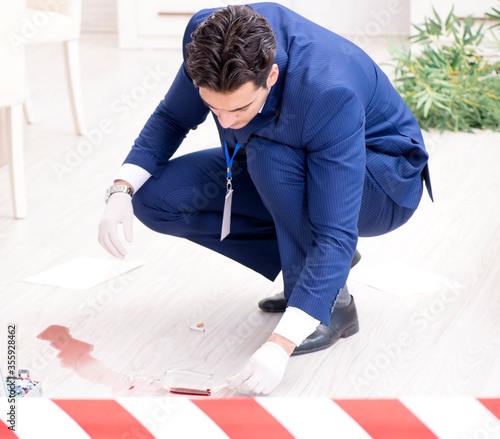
336	158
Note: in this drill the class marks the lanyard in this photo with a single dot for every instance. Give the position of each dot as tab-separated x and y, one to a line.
229	162
226	215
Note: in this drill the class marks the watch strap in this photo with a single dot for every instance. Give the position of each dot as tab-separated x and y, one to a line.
118	188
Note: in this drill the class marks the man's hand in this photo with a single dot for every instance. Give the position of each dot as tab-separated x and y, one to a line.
118	210
263	372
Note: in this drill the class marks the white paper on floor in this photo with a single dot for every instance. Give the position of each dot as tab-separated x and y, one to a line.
401	279
83	273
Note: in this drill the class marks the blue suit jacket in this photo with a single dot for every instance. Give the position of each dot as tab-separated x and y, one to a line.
334	102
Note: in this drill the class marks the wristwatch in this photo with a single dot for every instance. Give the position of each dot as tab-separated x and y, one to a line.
117	188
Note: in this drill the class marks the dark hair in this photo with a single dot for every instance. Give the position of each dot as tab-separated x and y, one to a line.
231	47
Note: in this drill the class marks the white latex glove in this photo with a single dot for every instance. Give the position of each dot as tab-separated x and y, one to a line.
263	371
118	210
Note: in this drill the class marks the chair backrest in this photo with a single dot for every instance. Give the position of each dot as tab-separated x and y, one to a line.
11	52
54	20
70	8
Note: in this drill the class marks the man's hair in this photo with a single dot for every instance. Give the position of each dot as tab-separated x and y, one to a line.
233	46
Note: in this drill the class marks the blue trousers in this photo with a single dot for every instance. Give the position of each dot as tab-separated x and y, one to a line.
187	201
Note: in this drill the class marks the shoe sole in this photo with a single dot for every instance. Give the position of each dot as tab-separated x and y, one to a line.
351	330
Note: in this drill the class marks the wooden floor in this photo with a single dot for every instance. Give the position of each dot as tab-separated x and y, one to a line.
79	343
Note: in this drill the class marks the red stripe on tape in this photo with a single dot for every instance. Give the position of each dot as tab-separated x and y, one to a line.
243	419
104	419
386	419
493	405
5	433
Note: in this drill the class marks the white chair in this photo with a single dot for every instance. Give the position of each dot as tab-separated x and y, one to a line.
59	21
12	97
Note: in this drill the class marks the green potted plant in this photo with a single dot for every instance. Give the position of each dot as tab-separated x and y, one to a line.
445	77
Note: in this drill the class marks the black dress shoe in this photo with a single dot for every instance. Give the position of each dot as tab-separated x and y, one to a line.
343	324
277	303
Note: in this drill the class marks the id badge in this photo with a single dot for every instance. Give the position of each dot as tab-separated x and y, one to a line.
226	215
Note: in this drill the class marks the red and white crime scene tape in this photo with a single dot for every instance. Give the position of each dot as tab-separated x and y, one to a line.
262	418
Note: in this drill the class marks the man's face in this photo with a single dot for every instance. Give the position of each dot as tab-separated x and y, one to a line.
235	110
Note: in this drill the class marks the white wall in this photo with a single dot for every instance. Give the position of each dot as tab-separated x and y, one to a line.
358	17
3	146
371	18
462	8
100	16
347	17
344	17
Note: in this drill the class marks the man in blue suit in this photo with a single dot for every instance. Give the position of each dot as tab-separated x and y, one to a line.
317	149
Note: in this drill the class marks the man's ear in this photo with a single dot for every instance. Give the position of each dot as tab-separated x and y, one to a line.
273	76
